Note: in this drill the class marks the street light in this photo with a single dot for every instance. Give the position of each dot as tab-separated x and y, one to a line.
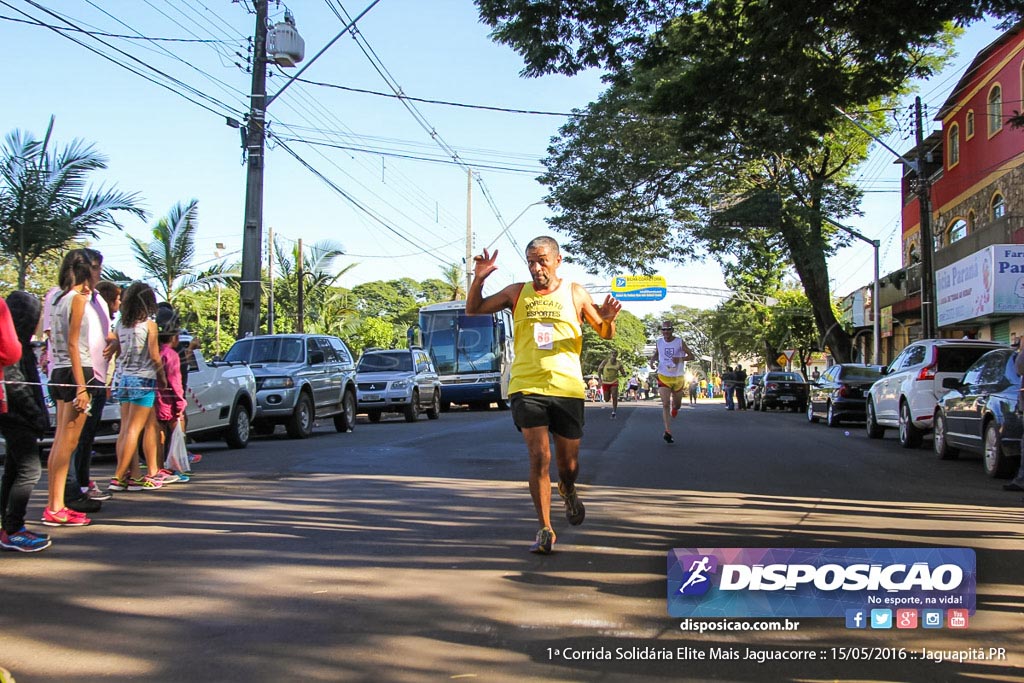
877	337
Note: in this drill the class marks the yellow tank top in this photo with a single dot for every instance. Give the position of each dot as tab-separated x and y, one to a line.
548	339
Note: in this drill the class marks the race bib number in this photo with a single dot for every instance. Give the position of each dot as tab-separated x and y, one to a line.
544	335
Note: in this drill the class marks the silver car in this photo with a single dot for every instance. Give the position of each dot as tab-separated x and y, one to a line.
397	381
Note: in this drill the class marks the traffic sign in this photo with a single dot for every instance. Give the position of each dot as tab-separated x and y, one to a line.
789	353
781	361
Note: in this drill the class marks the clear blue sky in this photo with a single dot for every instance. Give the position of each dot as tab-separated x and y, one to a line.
169	149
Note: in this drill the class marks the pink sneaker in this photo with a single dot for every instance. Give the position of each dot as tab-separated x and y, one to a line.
65	517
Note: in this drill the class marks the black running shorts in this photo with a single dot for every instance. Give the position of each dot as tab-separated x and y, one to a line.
562	416
62	385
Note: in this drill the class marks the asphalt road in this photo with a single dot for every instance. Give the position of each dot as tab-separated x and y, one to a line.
398	553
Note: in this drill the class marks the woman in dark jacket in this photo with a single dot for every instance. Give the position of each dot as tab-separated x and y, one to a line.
24	422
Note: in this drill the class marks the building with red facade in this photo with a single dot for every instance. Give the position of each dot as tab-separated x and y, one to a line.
974	174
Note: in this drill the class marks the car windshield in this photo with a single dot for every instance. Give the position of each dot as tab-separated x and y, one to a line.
784	377
385	362
854	373
266	350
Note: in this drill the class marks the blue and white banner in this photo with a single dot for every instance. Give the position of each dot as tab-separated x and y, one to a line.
817	582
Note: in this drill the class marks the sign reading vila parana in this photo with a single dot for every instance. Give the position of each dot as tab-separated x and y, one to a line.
989	281
639	287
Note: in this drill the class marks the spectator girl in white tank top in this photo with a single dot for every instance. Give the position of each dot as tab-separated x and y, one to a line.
72	372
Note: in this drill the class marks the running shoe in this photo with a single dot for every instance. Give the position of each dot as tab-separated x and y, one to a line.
95	493
194	458
65	517
23	541
167	477
545	539
183	478
146	483
118	484
613	414
668	437
574	510
83	504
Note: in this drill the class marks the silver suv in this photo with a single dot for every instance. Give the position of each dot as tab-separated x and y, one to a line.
397	381
299	378
906	395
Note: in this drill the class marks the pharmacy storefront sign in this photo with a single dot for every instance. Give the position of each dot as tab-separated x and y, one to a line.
989	281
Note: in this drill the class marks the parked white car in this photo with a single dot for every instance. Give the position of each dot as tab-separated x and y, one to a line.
221	403
221	400
905	397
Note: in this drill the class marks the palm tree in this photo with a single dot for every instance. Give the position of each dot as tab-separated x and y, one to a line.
317	280
44	201
454	277
167	258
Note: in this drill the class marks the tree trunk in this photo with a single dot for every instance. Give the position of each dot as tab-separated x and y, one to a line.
809	261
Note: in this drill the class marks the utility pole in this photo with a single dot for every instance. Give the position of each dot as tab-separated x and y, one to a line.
252	235
469	229
299	327
923	190
270	274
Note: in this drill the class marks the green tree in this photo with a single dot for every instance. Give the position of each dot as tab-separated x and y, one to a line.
45	202
373	332
454	278
319	277
202	310
663	167
167	259
40	276
630	338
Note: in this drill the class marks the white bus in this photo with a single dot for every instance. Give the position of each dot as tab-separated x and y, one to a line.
473	353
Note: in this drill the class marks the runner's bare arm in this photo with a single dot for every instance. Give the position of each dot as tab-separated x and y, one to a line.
476	302
601	318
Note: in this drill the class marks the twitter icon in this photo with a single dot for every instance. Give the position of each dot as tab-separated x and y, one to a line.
881	618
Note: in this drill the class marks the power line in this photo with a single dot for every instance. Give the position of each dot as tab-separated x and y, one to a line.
170	78
115	35
397	155
355	202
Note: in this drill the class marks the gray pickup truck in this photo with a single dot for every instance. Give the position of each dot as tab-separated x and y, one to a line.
299	379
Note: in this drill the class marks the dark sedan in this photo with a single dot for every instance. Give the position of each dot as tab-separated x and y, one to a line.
782	390
840	393
979	414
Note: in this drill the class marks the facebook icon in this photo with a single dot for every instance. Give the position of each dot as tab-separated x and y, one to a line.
855	618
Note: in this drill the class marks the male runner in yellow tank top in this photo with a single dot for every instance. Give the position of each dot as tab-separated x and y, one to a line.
546	388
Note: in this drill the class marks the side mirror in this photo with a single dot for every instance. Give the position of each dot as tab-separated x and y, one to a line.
885	370
951	383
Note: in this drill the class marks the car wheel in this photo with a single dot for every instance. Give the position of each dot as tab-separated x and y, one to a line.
345	421
374	416
910	436
995	461
811	417
412	411
941	443
831	418
300	424
875	430
237	434
434	411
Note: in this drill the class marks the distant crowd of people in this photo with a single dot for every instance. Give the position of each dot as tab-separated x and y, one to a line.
88	359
